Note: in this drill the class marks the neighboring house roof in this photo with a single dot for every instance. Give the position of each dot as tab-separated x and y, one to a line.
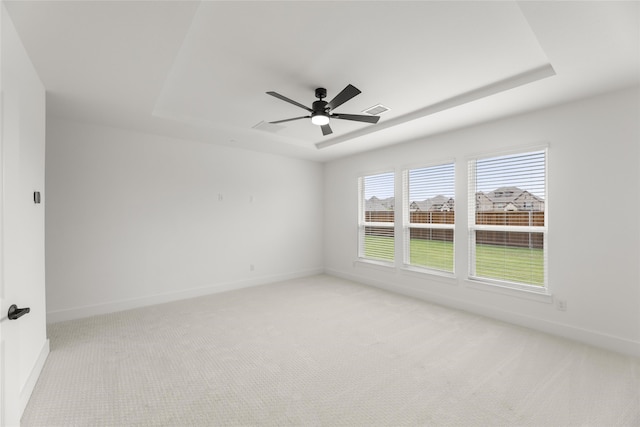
480	195
505	194
508	198
420	205
510	207
375	204
503	198
437	203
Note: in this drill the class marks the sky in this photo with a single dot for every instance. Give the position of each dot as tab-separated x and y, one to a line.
525	171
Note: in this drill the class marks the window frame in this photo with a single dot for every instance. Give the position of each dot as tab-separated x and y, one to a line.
473	227
363	224
407	225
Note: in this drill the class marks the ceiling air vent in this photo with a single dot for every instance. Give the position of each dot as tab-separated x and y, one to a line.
376	110
268	127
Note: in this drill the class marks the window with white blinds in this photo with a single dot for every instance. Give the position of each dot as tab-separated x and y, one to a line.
429	217
376	217
507	219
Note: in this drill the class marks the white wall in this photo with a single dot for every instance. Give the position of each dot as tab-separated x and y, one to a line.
594	220
135	219
25	345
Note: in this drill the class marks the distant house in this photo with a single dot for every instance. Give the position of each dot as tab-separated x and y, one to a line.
435	204
508	199
505	199
510	207
376	205
448	206
422	206
483	202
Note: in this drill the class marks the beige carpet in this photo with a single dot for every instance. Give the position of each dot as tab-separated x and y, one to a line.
323	351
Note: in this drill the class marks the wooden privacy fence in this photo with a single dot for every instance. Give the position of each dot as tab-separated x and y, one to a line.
501	238
510	239
435	217
522	218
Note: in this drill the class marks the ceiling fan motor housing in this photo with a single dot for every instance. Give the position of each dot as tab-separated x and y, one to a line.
319	107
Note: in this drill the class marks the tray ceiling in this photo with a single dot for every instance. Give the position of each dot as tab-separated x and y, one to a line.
200	70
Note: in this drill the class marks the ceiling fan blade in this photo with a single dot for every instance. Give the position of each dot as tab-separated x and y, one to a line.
356	117
288	120
347	93
290	101
326	130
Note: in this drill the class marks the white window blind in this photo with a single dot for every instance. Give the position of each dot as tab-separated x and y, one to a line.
507	219
376	217
429	217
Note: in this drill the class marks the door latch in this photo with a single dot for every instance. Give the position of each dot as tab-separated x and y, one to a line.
15	312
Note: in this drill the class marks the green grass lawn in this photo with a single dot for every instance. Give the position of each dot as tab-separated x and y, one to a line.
431	254
378	247
522	265
512	264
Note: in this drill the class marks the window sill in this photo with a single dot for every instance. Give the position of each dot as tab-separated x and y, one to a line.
385	266
424	273
541	295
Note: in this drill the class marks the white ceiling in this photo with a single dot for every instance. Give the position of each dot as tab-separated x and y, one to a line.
200	70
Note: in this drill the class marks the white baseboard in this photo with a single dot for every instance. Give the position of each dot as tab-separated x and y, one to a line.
30	384
127	304
594	338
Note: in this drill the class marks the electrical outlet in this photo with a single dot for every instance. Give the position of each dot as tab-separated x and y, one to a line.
561	304
220	197
251	267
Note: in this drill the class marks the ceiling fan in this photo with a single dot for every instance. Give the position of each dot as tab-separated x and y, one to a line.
321	111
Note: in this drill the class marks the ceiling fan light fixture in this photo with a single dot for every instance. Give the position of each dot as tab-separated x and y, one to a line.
320	119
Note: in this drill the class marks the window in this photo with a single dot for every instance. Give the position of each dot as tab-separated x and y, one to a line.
376	217
429	217
508	245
